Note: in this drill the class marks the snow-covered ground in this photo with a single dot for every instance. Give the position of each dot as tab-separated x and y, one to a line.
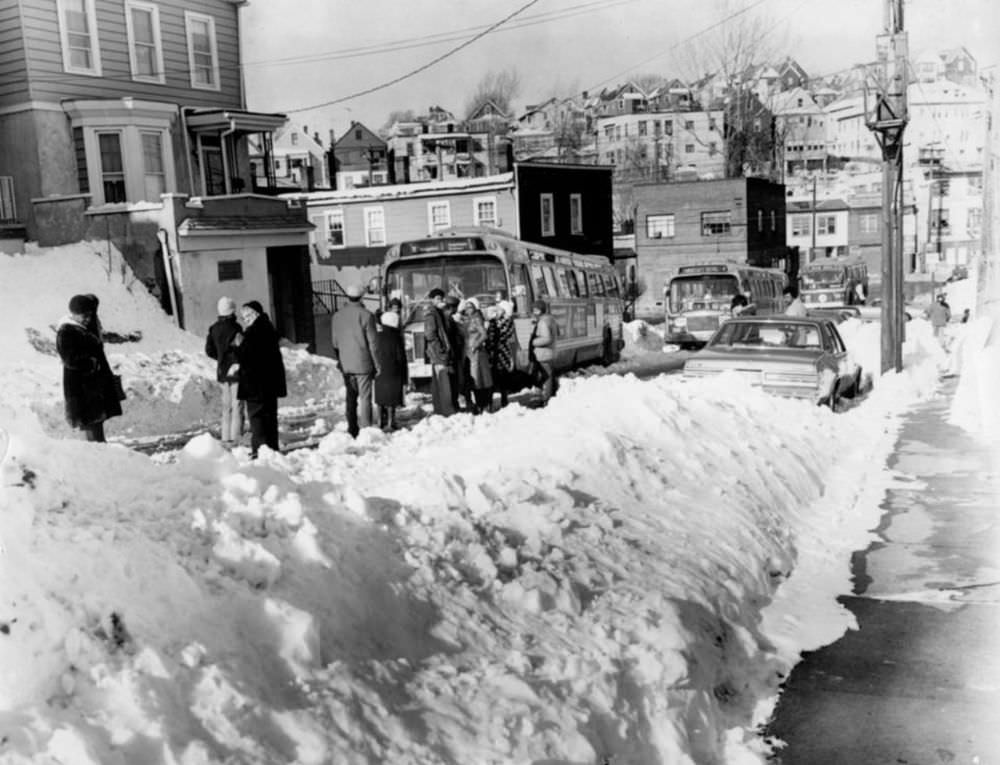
623	576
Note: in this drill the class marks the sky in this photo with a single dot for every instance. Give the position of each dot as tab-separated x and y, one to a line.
300	54
555	585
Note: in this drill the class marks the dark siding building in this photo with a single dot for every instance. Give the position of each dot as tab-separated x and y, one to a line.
565	206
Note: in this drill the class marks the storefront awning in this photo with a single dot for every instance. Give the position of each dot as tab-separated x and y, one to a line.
215	120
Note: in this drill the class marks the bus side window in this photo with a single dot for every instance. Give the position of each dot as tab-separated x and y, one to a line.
571	282
539	281
550	281
596	284
611	282
581	283
520	283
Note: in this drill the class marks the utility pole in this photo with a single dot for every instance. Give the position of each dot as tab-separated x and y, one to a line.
888	121
812	249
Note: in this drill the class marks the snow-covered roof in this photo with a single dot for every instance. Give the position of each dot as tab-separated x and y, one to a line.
403	190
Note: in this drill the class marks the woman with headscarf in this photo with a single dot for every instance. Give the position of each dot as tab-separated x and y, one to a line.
390	352
480	375
89	388
262	375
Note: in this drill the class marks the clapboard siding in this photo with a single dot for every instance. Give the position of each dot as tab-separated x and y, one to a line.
48	81
13	67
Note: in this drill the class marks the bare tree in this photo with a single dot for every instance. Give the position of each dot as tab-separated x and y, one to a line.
499	86
397	115
648	82
732	56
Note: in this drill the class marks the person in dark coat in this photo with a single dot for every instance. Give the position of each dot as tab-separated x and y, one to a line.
439	352
353	333
500	347
262	375
89	386
390	353
219	345
458	377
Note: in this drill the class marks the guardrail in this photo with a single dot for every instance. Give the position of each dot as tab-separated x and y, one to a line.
329	296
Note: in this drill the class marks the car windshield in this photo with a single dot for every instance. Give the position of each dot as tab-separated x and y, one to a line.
767	335
693	293
479	276
817	276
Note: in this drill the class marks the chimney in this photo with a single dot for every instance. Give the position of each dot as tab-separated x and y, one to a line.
333	137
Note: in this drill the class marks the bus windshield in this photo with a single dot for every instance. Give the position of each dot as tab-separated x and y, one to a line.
812	277
692	293
479	276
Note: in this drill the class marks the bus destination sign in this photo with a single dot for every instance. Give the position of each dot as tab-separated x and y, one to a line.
444	244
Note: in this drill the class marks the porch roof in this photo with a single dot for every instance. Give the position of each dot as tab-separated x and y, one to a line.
232	224
212	120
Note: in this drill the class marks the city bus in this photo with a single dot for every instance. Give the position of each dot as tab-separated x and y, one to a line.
699	297
834	282
583	292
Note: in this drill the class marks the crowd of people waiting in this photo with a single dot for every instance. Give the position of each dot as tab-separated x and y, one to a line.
471	351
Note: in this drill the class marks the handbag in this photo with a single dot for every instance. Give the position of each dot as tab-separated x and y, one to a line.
119	389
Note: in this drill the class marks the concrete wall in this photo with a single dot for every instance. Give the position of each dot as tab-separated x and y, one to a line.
199	281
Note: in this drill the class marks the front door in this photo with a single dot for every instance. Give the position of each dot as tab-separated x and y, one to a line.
291	293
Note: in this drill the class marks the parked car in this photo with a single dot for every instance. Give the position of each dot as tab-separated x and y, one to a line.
788	356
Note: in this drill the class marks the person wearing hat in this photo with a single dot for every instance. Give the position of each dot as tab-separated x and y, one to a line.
89	389
221	346
939	314
439	352
262	375
542	348
354	336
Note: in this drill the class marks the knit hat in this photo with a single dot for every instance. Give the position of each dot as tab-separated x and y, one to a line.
81	304
226	306
390	319
254	306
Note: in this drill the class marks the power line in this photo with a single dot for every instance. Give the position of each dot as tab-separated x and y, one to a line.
407	43
419	69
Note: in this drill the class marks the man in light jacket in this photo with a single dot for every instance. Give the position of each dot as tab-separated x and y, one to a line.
354	348
544	333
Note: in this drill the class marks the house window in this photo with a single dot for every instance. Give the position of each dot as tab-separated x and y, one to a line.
869	223
203	57
548	223
713	148
357	134
294	138
334	229
826	224
668	127
575	214
711	123
801	225
145	51
974	221
609	132
760	220
618	132
152	165
642	127
78	35
715	223
660	226
438	216
689	148
230	270
112	167
485	211
774	221
689	124
80	150
374	226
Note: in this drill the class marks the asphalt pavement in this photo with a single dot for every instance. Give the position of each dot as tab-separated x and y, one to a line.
919	682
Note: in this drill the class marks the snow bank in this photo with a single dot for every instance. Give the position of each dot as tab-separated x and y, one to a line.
559	585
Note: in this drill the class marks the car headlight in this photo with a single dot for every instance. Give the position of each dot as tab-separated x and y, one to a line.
681	322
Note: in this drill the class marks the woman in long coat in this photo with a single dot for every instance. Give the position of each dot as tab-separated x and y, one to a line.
262	375
390	354
480	374
88	383
500	348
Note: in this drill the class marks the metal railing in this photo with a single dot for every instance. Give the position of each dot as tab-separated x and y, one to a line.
329	296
